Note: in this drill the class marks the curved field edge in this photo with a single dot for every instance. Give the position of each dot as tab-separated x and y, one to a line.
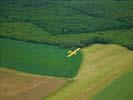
120	89
101	65
29	32
15	85
38	58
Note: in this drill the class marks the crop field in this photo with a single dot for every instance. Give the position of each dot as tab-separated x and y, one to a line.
121	89
38	58
36	35
22	86
101	65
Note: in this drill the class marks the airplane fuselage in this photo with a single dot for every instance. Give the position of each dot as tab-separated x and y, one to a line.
73	52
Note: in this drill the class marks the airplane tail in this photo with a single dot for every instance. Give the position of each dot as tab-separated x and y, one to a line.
69	52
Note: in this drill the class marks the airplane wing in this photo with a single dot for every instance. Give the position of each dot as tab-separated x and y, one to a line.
76	50
73	53
70	55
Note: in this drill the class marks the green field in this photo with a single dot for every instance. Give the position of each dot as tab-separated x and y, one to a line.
101	65
38	58
35	36
121	89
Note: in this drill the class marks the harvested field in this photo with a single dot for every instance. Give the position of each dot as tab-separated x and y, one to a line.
102	64
20	86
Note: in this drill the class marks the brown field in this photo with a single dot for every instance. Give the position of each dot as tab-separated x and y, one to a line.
102	64
20	86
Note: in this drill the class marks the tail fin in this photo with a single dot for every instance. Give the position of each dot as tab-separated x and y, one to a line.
69	52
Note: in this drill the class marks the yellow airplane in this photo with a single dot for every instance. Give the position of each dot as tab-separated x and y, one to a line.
70	53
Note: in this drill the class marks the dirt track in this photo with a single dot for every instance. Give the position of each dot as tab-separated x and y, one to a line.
20	86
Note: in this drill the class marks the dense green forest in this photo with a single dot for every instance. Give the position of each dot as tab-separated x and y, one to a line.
68	23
